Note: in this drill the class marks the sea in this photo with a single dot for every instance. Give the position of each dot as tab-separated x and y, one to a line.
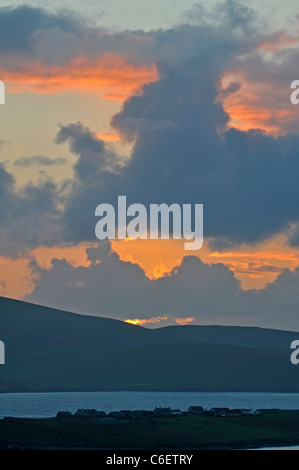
43	405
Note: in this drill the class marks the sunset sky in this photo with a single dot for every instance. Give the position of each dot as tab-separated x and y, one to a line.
169	101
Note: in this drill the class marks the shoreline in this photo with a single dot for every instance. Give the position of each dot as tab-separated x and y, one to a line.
262	446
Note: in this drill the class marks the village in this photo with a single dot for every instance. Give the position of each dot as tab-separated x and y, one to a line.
130	415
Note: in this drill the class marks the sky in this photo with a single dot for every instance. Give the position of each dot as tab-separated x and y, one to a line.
146	16
165	101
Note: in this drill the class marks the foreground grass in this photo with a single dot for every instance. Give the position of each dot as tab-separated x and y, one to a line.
183	431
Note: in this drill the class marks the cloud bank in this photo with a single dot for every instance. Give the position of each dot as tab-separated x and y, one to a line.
184	89
192	292
184	149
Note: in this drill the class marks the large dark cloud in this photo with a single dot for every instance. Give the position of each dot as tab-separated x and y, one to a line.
199	35
29	216
18	24
185	153
113	288
97	172
183	150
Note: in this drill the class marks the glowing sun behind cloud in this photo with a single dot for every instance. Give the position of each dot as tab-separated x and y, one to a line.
254	265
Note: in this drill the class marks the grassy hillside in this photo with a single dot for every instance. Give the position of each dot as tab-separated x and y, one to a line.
182	432
51	350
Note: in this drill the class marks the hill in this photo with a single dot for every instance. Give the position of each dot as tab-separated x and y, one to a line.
52	350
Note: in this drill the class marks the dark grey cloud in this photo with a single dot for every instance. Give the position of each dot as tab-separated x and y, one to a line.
47	213
39	160
185	153
196	36
19	23
29	216
97	174
111	287
183	150
94	156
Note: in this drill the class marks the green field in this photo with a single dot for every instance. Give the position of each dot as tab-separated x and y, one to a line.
180	432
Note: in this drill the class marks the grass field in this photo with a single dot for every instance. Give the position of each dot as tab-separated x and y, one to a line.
181	432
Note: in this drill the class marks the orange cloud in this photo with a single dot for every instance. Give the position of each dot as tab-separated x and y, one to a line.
279	40
16	277
247	113
184	321
111	76
74	255
156	257
109	136
264	106
141	322
260	103
254	265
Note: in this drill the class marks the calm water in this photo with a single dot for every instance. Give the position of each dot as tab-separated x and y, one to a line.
41	405
278	448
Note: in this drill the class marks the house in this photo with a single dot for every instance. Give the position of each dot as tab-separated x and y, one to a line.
159	411
123	414
246	411
219	411
126	412
176	412
197	410
90	413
